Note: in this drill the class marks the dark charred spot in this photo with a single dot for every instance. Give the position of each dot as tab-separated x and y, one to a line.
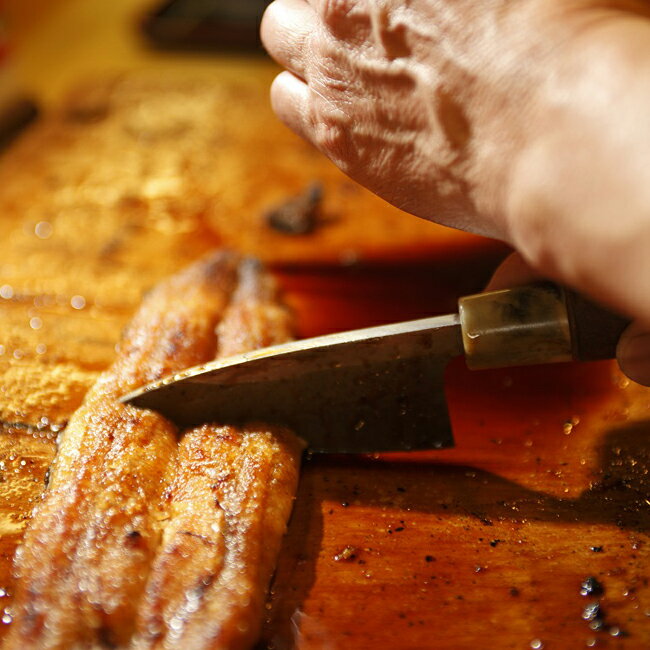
206	581
298	215
482	518
133	538
105	638
206	540
16	117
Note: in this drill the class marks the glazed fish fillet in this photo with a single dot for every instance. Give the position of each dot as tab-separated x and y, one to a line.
231	499
88	569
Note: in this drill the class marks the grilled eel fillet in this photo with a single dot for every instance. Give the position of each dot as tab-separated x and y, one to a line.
209	579
104	554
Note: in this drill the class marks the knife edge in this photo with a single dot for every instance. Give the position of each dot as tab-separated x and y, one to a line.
368	390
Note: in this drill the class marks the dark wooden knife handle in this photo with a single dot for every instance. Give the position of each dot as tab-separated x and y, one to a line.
595	331
537	323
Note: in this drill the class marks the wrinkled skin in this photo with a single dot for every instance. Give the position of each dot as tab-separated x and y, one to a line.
525	121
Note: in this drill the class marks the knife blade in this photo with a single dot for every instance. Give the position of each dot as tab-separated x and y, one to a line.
382	388
375	389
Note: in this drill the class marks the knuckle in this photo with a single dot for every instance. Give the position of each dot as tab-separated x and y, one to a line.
333	138
332	125
293	51
335	10
347	20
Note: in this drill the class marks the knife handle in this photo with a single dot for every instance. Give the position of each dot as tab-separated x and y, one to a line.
537	323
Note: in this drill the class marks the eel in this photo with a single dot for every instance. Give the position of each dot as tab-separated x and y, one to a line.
83	565
147	538
231	498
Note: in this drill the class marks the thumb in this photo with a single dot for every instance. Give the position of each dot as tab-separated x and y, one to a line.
512	272
633	350
633	353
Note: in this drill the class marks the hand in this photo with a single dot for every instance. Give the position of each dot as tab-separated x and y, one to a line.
525	121
407	98
633	351
425	102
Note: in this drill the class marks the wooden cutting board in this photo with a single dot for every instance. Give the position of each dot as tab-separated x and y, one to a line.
482	546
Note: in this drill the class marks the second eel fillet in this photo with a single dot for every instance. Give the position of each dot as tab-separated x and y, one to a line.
86	555
231	498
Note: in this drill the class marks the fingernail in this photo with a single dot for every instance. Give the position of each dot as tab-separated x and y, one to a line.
634	357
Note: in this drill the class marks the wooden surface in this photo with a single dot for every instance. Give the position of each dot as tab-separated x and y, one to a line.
482	546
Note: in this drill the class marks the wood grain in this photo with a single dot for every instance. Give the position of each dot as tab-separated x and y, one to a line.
485	545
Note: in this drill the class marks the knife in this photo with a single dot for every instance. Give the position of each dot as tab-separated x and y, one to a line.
382	388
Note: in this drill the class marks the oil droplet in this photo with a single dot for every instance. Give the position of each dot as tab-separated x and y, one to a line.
569	425
591	642
359	425
176	624
591	587
18	354
3	592
623	382
6	292
78	302
536	644
35	323
7	618
43	229
2	350
41	348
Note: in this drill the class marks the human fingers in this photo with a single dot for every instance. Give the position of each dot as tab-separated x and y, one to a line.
512	272
285	30
633	353
290	100
633	349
